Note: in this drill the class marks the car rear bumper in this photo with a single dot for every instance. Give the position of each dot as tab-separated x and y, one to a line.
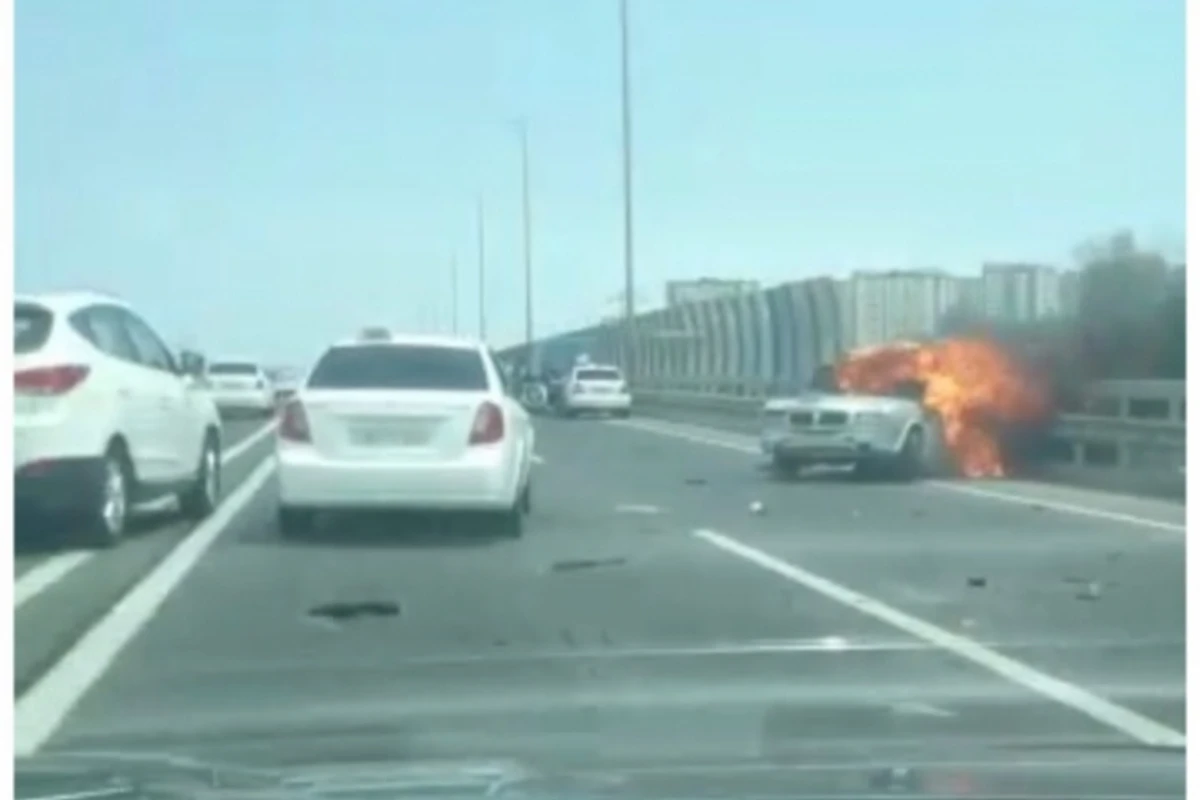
58	485
307	480
244	400
599	402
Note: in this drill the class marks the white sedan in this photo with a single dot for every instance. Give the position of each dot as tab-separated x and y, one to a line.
238	386
597	388
404	422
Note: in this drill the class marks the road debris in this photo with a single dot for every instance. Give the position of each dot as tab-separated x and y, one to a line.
587	563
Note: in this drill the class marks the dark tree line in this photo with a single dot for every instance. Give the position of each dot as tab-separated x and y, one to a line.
1130	322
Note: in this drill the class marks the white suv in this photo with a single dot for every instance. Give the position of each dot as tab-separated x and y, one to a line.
104	416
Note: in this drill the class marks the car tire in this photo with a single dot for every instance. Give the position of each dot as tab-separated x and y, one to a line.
868	469
202	496
106	520
295	522
783	467
910	462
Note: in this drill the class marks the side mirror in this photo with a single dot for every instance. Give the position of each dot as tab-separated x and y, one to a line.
191	364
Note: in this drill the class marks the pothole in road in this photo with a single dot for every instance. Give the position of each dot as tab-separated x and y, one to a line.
340	612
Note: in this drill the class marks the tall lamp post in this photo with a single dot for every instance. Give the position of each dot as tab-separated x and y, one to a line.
527	222
627	169
454	294
482	271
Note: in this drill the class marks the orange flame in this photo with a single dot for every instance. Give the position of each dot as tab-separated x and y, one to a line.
971	384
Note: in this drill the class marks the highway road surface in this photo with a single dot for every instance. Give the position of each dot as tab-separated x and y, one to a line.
669	604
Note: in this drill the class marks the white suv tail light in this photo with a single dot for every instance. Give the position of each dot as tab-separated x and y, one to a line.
49	381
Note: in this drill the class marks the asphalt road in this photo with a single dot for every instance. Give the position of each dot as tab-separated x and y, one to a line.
648	616
60	592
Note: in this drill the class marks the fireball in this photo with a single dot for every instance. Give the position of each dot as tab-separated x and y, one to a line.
972	385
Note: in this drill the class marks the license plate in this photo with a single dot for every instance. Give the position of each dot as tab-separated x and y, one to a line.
386	436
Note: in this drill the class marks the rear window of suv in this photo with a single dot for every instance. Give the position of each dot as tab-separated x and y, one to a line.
31	327
232	369
597	375
401	367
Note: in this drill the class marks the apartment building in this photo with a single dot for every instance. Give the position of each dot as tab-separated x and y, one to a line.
900	304
1022	292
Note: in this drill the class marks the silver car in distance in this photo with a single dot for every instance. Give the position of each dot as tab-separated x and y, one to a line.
878	436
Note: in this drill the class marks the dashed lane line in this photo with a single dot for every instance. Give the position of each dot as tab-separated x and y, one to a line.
46	574
1119	718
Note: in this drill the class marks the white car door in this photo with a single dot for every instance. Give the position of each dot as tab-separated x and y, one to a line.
137	418
176	449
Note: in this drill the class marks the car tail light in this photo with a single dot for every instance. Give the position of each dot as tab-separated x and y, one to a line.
50	381
294	425
488	427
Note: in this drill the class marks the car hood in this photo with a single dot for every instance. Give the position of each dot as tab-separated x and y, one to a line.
817	401
1017	772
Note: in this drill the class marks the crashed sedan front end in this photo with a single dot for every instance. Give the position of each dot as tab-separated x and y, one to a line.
875	435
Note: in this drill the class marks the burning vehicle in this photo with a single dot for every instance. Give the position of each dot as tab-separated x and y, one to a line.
879	436
880	409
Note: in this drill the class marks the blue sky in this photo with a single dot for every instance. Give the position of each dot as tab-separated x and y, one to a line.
263	175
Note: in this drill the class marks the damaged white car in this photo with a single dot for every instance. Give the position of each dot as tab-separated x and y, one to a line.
877	436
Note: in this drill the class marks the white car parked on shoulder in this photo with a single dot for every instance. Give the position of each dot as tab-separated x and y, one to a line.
104	416
240	386
387	421
596	388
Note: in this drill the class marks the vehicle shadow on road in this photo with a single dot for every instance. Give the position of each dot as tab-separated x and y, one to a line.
399	530
41	536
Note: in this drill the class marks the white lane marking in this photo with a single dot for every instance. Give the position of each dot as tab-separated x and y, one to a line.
251	440
690	433
687	434
634	508
919	709
1104	711
39	712
1057	505
49	572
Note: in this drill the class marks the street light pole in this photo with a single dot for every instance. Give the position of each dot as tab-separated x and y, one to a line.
524	130
454	294
482	296
627	168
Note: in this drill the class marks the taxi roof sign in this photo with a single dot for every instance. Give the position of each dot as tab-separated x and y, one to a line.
375	333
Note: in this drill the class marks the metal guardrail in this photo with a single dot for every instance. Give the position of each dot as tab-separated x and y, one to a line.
1113	441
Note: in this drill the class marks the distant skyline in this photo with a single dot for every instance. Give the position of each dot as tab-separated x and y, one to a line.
263	177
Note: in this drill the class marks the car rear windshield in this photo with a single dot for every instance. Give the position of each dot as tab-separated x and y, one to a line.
31	327
597	375
232	369
400	367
